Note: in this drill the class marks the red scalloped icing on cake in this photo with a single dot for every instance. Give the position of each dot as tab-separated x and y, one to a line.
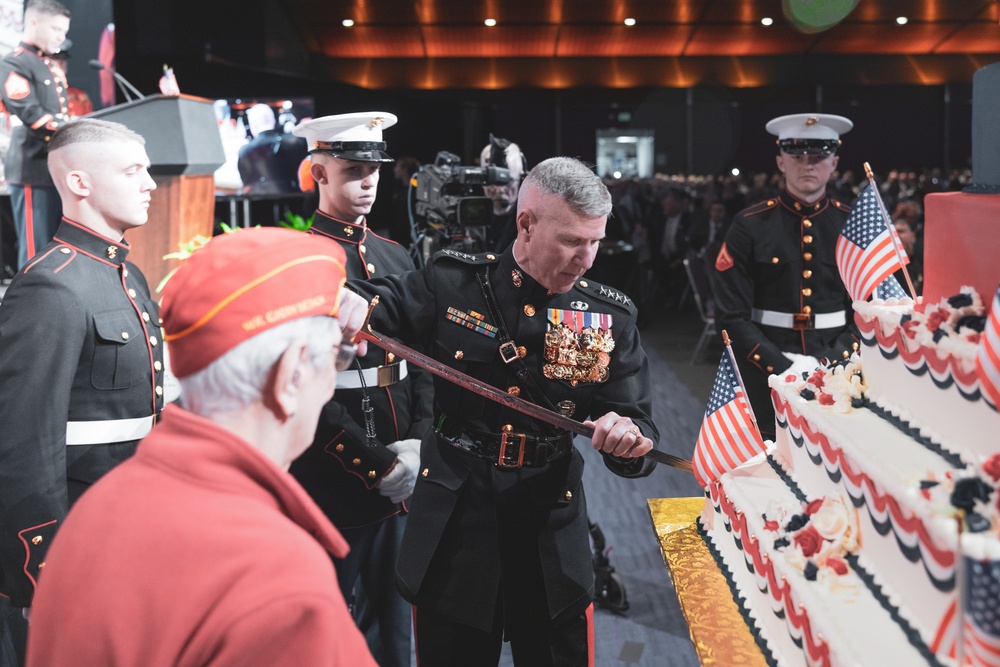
796	616
944	370
939	563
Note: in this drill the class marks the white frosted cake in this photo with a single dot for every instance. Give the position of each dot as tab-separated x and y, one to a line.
904	439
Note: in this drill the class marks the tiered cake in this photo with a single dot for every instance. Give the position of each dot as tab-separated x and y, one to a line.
842	542
843	539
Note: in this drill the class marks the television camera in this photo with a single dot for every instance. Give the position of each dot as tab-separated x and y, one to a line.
449	207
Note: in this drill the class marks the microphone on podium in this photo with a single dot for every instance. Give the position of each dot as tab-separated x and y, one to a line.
123	83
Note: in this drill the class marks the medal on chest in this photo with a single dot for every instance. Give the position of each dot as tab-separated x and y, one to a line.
578	346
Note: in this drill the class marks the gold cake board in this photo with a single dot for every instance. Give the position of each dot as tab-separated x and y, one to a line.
719	633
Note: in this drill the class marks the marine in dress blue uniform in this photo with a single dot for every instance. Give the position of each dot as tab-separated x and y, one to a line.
497	541
34	90
346	465
776	284
81	381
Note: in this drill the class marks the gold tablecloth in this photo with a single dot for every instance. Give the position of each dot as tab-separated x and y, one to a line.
719	633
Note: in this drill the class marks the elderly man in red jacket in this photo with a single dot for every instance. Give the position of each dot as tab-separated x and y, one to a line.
202	549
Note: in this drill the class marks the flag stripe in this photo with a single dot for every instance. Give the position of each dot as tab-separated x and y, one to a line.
866	251
988	355
728	436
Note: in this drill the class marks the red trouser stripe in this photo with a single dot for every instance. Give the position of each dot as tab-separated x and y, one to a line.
29	222
590	635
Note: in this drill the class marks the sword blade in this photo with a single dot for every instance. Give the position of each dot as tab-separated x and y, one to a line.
488	391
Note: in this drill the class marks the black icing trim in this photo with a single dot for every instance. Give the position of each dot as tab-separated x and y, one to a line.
789	482
911	633
913	432
740	601
982	189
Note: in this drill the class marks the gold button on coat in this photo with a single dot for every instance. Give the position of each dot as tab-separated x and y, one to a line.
807	291
756	357
356	462
807	273
459	354
153	341
37	539
583	283
339	448
371	474
425	472
807	239
371	268
157	366
131	292
807	256
775	260
159	391
514	390
124	335
529	310
145	317
362	248
569	495
807	309
807	223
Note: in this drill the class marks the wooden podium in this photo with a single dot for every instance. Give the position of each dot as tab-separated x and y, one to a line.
185	149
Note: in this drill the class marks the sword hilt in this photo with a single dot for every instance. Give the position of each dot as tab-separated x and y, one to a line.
366	332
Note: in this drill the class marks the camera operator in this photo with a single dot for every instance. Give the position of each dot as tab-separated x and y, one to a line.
506	154
451	209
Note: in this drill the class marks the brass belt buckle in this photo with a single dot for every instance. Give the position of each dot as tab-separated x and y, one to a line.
388	375
803	321
506	458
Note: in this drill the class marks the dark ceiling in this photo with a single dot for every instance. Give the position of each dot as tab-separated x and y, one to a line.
432	44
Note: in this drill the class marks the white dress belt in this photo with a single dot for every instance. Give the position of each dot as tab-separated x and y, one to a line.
772	318
107	431
376	376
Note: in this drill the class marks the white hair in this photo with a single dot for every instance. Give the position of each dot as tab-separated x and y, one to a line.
574	182
237	378
260	117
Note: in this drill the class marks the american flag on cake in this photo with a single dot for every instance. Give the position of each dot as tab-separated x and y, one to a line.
988	355
866	250
982	614
728	434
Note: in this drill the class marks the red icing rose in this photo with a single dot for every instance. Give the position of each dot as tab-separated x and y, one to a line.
826	399
771	525
991	467
837	565
926	493
814	506
808	541
910	328
935	320
817	377
791	377
973	337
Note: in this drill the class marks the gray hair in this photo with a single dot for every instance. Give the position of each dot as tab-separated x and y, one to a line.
237	379
574	182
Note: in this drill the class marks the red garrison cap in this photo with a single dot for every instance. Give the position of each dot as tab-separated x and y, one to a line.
243	283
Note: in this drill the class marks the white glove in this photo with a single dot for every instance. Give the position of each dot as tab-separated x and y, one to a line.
801	363
398	485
